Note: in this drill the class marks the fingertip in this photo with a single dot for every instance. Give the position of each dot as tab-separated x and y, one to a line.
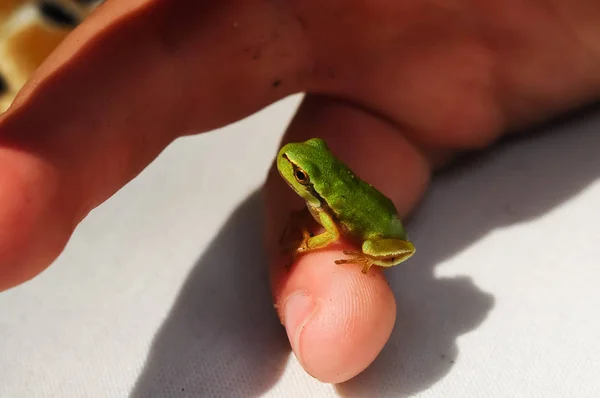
31	234
337	318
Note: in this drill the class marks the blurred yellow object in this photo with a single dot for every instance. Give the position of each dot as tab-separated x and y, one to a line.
29	31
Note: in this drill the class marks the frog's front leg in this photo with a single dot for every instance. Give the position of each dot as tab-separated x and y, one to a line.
310	242
322	240
382	252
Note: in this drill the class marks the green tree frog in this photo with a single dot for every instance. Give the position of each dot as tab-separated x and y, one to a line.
343	205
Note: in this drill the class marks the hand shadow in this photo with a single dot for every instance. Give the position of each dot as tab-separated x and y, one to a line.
222	336
516	181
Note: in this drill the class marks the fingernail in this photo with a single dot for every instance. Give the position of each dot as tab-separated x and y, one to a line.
298	308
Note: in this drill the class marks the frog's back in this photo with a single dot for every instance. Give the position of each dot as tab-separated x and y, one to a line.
361	211
366	212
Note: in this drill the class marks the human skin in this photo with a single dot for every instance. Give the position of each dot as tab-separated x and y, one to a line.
396	88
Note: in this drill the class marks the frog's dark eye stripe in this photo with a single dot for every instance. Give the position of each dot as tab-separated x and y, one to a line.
57	14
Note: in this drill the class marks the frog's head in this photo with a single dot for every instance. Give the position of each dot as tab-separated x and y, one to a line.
302	165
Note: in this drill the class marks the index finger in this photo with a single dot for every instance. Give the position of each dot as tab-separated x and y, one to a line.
133	77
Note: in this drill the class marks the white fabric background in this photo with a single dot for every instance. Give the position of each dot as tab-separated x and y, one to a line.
162	291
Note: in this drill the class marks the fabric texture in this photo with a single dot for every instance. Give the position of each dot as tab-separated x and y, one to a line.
162	291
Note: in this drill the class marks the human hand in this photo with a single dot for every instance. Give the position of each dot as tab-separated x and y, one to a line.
396	88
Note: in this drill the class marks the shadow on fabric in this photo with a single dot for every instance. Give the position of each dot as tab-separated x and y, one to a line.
518	180
222	337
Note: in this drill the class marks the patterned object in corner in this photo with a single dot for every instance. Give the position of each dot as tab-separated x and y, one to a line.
29	31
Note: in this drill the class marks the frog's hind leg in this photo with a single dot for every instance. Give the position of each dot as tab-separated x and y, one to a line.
381	252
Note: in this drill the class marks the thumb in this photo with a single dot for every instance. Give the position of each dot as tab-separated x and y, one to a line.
338	319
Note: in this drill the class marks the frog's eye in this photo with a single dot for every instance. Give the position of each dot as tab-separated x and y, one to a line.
301	176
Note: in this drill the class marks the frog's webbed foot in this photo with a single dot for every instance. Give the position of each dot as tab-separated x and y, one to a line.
296	223
294	245
358	258
297	219
309	241
297	248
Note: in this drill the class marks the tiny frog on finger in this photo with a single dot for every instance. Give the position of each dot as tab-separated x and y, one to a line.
343	205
